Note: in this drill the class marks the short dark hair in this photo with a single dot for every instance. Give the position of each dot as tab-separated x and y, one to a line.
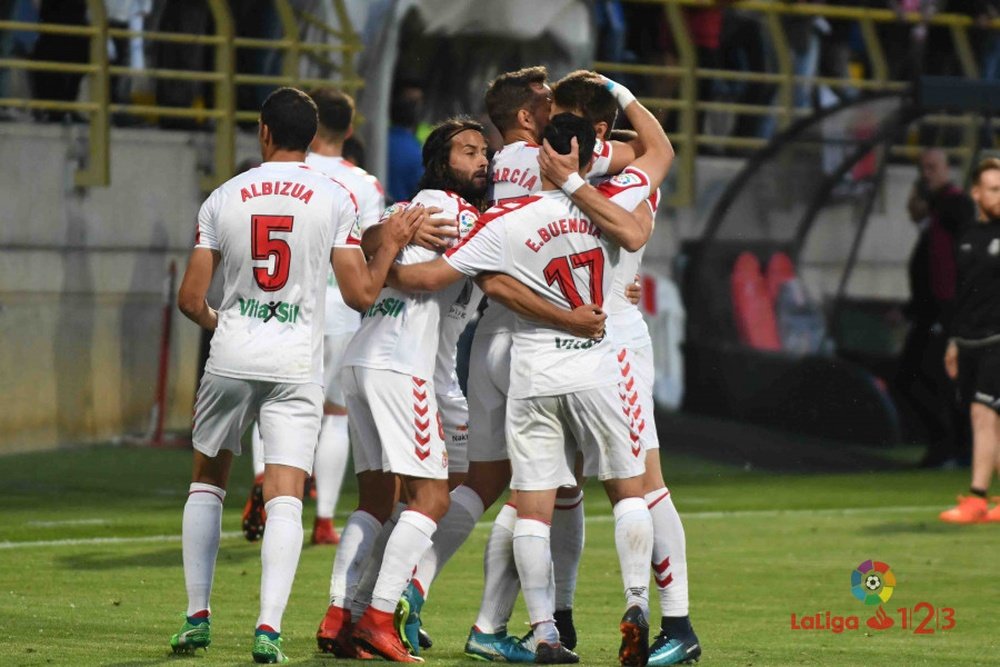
624	136
511	92
561	130
335	109
988	164
584	92
437	152
290	115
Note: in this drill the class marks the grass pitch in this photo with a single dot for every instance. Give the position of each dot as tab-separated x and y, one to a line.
90	568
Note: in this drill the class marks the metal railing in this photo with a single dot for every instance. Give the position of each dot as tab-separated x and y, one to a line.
223	115
689	72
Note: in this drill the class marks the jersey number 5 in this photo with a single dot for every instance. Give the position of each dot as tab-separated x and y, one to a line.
263	246
558	272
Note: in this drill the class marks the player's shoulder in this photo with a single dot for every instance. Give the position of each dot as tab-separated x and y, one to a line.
630	177
602	149
515	150
511	208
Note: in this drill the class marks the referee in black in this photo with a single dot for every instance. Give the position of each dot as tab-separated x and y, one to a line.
973	353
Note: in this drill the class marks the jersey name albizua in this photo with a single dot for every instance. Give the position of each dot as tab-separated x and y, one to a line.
274	227
368	193
548	244
400	331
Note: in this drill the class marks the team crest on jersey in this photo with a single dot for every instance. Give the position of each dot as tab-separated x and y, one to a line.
393	210
626	180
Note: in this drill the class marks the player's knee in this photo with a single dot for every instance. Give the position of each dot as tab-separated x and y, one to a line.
983	417
431	498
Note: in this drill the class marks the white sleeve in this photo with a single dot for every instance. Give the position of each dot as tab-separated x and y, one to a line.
208	216
345	221
602	159
628	189
371	204
482	250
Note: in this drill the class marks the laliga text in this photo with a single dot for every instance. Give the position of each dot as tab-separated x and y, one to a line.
923	618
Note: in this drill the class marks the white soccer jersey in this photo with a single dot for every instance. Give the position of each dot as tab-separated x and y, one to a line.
400	331
514	173
548	244
368	193
274	227
625	322
453	323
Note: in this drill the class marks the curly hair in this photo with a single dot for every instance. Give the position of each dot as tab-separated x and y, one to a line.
438	174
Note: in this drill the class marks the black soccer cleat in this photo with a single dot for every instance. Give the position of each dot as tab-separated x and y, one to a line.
424	639
567	631
554	654
634	651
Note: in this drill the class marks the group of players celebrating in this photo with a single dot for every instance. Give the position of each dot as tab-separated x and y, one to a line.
552	230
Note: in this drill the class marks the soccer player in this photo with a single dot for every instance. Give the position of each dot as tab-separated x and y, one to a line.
271	229
589	95
545	241
396	427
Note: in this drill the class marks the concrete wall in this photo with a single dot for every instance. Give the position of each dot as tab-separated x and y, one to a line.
82	273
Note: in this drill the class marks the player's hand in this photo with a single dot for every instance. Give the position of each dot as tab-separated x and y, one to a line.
556	167
402	225
436	233
586	321
633	291
951	360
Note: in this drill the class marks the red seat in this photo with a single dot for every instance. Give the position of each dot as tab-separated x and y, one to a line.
753	309
779	271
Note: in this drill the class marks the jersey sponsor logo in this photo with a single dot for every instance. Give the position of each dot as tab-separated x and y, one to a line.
389	307
281	188
466	221
523	178
272	310
574	343
560	227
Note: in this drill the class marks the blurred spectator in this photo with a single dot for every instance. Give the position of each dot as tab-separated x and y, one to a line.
257	19
985	40
191	17
405	161
747	50
63	86
126	51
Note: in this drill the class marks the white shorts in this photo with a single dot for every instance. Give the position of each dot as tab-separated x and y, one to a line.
455	422
489	382
540	432
333	353
289	416
639	361
395	424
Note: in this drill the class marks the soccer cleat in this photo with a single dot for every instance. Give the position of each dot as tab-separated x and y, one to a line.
254	515
334	634
192	636
324	532
497	647
970	509
267	648
554	654
376	633
667	650
634	650
407	618
994	514
567	631
424	639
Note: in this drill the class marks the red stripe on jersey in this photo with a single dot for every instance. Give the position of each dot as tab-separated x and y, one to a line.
629	178
605	150
354	199
492	214
654	200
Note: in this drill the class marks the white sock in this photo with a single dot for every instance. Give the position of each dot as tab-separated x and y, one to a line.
567	547
453	529
331	463
257	446
410	539
356	543
669	554
534	568
279	558
361	597
200	533
500	582
634	542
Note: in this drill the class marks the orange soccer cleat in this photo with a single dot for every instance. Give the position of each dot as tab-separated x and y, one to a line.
324	532
994	514
970	509
334	634
254	516
376	632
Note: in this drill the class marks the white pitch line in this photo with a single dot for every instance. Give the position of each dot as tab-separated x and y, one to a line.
483	525
67	522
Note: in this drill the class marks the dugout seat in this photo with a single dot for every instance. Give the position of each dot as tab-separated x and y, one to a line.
753	309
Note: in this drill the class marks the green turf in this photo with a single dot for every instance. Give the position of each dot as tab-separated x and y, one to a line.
760	546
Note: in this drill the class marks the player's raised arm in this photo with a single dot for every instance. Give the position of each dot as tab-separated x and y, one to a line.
658	153
361	282
586	321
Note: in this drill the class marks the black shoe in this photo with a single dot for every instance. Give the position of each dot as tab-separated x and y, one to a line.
634	651
667	650
554	654
564	624
424	639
